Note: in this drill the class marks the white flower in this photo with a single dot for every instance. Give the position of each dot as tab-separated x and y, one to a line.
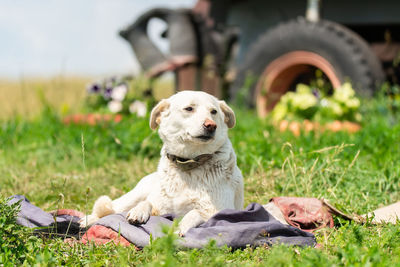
139	108
114	106
119	92
324	102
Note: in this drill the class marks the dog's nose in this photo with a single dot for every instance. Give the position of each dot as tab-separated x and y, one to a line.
210	125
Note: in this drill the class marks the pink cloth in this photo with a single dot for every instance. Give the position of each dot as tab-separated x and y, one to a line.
307	214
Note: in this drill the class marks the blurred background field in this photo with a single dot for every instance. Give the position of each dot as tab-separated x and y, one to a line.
26	97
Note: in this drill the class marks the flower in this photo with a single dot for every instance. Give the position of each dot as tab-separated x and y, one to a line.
303	89
279	112
353	103
94	88
107	92
335	108
309	103
304	101
316	93
139	108
344	93
119	92
324	102
114	106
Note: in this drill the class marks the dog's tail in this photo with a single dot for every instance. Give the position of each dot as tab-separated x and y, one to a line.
103	207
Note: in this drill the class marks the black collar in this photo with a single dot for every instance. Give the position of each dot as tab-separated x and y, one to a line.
189	164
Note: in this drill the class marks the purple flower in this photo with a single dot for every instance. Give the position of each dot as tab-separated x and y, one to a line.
316	93
94	88
107	92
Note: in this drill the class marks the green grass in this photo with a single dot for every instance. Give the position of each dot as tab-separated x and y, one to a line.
58	166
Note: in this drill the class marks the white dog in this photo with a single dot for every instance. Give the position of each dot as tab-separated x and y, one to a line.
197	175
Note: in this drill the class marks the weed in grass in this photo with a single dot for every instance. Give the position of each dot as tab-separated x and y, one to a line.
17	244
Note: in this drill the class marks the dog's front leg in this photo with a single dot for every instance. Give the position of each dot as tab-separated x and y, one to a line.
191	219
140	213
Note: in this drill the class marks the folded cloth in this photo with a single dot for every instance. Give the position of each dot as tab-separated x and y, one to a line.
308	214
55	224
253	226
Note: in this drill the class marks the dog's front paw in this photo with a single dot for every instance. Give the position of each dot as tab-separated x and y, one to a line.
139	214
183	228
87	220
190	220
186	225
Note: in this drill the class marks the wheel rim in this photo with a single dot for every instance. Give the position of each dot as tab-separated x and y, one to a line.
280	74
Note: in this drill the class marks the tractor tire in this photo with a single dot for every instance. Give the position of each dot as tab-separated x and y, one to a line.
289	49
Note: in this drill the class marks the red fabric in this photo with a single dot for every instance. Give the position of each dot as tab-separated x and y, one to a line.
101	235
307	214
97	233
74	213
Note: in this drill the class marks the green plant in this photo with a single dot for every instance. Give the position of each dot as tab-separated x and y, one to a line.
16	242
310	104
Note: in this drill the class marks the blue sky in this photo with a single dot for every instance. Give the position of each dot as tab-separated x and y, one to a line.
70	37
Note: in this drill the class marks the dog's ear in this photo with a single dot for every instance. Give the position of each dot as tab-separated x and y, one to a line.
155	116
230	119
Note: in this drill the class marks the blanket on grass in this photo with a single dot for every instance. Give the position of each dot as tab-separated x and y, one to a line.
252	226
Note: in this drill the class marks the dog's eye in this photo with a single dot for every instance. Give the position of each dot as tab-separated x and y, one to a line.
214	111
188	109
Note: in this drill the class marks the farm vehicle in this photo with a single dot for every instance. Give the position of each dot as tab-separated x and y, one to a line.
259	50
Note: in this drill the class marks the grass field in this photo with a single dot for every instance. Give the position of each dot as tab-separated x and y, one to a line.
58	166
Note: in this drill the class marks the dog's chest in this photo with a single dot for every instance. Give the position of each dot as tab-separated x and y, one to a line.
208	187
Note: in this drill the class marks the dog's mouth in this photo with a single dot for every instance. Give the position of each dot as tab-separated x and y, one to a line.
205	138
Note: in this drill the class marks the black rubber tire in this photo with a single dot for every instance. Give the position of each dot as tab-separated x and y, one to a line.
344	49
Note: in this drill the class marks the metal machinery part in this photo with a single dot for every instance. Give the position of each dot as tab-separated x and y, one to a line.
198	52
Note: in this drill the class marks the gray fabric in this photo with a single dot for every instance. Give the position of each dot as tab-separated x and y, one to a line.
136	234
253	226
34	217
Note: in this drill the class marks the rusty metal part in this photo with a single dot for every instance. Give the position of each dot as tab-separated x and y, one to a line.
147	53
181	35
186	78
211	82
280	74
202	9
386	51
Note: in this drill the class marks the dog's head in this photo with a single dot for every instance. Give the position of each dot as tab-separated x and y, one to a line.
192	123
